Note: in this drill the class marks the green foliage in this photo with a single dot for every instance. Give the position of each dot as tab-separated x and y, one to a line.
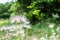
33	9
4	13
40	9
32	5
4	22
14	7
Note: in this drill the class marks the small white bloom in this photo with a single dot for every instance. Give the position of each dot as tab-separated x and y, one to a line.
10	33
15	19
17	32
3	28
12	21
52	37
19	18
54	33
19	26
21	31
34	38
51	25
27	22
12	28
23	20
42	38
26	26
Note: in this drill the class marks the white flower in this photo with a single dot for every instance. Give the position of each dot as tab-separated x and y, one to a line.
53	33
27	26
21	31
52	37
51	25
10	33
11	28
26	22
23	19
42	38
19	18
19	26
15	19
12	21
34	38
3	28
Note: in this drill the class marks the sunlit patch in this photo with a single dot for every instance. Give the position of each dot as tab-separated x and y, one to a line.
4	1
51	25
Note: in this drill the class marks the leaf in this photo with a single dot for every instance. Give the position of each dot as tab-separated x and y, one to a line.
32	5
55	15
36	12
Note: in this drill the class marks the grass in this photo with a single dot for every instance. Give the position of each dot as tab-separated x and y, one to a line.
38	31
4	22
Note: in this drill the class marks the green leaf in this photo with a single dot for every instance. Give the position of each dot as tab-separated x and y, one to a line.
36	12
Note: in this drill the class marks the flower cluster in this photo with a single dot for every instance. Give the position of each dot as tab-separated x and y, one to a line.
18	19
17	29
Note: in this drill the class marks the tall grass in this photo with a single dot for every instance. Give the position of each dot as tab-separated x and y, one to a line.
44	30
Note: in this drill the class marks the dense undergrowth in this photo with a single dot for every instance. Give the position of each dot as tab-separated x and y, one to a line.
30	20
44	30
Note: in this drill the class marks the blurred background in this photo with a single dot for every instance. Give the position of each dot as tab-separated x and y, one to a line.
29	19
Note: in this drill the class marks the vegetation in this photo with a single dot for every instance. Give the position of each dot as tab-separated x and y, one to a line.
30	20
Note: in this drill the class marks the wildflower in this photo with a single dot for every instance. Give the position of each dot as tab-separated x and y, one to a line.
23	19
26	26
26	22
53	37
10	33
51	25
19	19
34	38
53	33
42	38
19	26
3	28
21	31
15	19
12	28
12	21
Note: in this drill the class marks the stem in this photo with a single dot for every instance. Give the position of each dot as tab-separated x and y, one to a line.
26	34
